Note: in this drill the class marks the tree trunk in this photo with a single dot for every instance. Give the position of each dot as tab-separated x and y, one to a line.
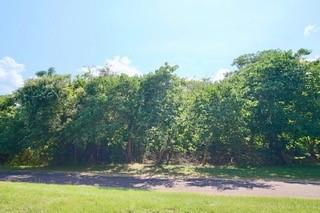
169	155
129	150
205	154
312	150
276	147
74	153
204	159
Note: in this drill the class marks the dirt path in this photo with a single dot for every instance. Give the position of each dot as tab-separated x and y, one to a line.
214	186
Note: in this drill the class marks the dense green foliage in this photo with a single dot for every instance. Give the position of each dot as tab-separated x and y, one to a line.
267	111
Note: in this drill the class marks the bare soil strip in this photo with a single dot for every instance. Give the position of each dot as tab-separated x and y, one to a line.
211	186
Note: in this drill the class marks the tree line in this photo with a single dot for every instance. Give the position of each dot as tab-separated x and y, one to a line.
267	111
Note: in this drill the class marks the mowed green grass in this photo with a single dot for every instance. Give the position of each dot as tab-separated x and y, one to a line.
28	197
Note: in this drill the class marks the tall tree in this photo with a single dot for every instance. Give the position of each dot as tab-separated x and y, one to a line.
273	85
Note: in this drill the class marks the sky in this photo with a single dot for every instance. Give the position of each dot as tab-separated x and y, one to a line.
201	36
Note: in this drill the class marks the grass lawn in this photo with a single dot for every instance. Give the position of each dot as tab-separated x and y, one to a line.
310	172
27	197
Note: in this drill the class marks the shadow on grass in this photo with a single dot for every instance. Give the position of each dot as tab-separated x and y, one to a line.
289	173
222	185
128	182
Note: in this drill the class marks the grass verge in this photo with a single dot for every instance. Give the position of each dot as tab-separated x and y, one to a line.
27	197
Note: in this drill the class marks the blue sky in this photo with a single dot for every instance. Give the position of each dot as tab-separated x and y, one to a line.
201	36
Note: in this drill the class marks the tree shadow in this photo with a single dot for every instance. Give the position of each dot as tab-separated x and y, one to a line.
137	182
129	182
78	179
222	185
176	170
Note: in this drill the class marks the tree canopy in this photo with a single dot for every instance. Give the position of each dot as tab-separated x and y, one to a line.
267	111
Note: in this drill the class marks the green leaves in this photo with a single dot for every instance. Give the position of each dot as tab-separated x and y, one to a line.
266	111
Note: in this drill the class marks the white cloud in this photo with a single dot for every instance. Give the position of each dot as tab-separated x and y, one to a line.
309	29
116	65
94	70
192	78
314	58
10	75
220	74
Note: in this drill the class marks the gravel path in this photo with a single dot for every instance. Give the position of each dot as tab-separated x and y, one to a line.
213	186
